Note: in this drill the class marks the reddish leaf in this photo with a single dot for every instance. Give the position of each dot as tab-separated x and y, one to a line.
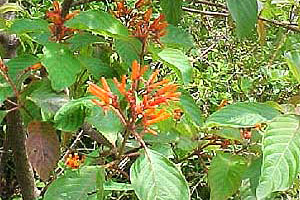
42	147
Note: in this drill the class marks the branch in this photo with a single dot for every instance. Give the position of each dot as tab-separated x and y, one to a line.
66	5
226	14
216	14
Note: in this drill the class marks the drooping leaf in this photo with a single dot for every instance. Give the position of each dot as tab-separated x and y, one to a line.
76	186
21	26
176	37
293	60
225	175
178	61
155	177
129	49
244	13
9	7
191	109
42	147
82	40
109	124
242	115
18	64
281	148
97	67
61	65
172	10
99	22
100	180
71	116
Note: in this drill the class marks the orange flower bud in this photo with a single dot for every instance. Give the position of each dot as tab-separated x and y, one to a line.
135	70
148	15
158	119
36	66
155	85
105	85
99	92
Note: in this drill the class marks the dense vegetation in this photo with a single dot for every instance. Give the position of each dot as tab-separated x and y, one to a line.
141	99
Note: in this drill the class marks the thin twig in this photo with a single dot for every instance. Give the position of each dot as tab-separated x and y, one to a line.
216	14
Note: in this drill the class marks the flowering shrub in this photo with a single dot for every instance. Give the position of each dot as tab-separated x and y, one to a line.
98	105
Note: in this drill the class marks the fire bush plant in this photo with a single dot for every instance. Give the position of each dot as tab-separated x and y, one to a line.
96	104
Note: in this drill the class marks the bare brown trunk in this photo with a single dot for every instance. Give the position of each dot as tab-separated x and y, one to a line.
16	137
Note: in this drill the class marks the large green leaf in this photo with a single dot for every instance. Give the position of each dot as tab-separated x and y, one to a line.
172	10
244	13
114	186
29	25
61	65
108	124
281	150
129	49
176	37
76	185
47	99
242	115
5	90
71	116
155	177
293	60
225	175
99	22
97	67
18	64
82	40
179	61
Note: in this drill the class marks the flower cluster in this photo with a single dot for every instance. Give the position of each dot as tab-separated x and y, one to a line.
74	160
57	28
149	109
140	23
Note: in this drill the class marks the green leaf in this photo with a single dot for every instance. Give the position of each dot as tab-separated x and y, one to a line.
61	65
97	67
100	180
293	60
244	13
47	99
75	186
114	186
242	115
2	115
191	109
71	116
109	124
176	37
281	149
229	133
99	22
82	40
9	7
5	90
129	49
21	26
19	64
179	61
225	175
172	10
155	177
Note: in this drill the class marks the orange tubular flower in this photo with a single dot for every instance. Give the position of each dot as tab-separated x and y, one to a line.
149	110
74	160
